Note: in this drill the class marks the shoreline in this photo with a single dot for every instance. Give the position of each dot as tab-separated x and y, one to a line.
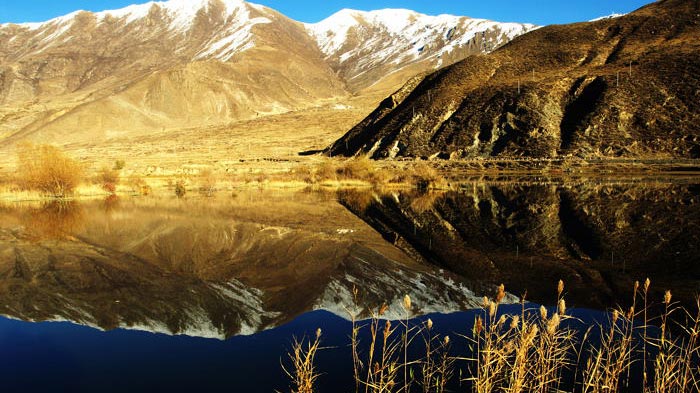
337	174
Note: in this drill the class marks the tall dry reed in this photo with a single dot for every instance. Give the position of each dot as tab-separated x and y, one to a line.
535	350
302	372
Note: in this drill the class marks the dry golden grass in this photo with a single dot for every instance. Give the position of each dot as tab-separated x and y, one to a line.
208	181
360	168
268	143
137	185
437	368
675	368
377	370
180	188
426	177
364	171
209	174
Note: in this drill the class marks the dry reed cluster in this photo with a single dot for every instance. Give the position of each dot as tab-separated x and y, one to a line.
535	350
303	371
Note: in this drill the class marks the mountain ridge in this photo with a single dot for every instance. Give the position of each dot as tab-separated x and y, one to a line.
403	37
157	66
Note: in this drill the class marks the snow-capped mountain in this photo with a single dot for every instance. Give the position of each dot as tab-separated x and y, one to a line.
232	22
156	66
365	46
192	63
611	16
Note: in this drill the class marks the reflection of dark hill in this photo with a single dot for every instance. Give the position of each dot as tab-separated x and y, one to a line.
599	239
205	267
617	87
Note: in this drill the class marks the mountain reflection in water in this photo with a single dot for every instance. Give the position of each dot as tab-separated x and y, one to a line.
224	266
207	267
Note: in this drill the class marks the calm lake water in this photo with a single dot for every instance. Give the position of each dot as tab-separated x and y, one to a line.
206	294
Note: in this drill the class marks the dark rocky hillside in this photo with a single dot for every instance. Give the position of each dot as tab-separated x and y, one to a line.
621	87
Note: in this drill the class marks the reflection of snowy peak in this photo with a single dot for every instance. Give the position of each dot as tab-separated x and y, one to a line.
204	270
195	314
357	42
430	292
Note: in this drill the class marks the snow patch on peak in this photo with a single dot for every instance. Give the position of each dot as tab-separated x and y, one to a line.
62	23
331	33
236	41
132	13
401	36
396	21
28	25
235	37
181	12
345	14
611	16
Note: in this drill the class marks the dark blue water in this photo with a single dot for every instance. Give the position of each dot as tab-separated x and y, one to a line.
60	356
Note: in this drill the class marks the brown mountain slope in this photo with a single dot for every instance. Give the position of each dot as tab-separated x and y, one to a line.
93	76
628	86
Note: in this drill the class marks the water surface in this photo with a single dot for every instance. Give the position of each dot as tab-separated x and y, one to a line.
205	294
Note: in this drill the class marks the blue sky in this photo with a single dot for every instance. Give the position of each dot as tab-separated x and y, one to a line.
532	11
